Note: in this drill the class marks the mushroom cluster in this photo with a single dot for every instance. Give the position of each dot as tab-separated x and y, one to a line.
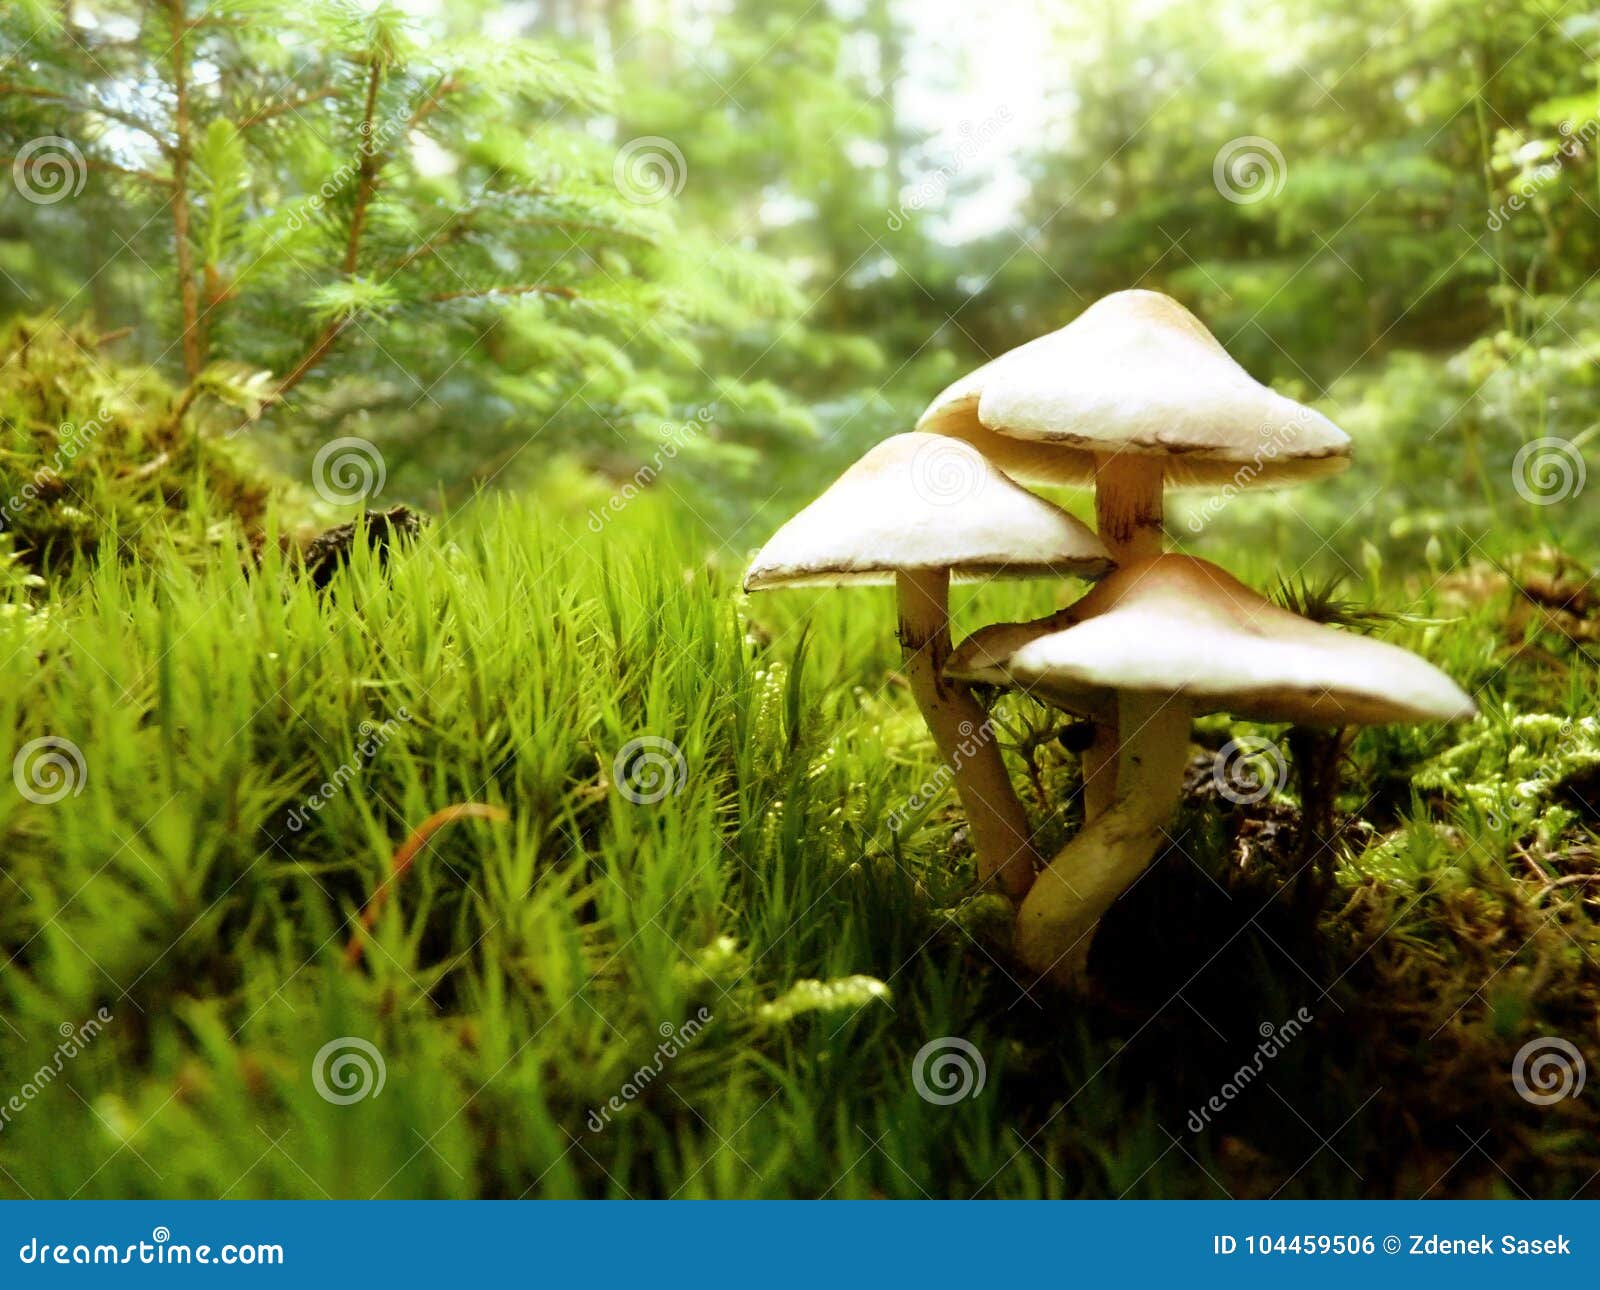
1133	397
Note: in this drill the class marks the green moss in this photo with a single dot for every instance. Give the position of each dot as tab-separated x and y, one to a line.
1509	765
525	972
96	456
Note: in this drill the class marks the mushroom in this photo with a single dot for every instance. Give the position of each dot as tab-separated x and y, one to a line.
915	511
1161	641
1133	395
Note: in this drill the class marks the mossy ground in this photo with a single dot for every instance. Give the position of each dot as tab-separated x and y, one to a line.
523	973
95	455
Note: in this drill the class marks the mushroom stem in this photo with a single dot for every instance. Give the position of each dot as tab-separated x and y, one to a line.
1128	513
1099	762
1057	920
963	734
1127	505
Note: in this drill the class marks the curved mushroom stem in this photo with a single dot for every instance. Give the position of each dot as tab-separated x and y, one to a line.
964	735
1128	512
1100	771
1057	920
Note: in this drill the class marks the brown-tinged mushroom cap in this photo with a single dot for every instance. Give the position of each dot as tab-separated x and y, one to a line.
1135	373
921	501
1180	626
983	658
1165	638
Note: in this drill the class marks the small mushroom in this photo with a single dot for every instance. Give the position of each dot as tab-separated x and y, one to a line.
1134	395
1161	641
915	511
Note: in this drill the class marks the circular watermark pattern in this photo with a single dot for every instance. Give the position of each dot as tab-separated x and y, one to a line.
347	471
48	769
1548	1070
649	169
1549	470
947	472
648	769
948	1070
48	169
1249	169
1248	770
348	1069
161	1235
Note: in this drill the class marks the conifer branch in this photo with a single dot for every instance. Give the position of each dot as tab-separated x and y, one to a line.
432	100
313	356
367	176
285	107
366	182
188	289
12	89
96	163
524	289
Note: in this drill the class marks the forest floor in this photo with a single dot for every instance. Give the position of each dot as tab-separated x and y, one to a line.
686	954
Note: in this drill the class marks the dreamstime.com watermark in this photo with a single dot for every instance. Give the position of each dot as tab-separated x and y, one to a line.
348	471
348	1069
1274	1039
1572	737
1249	769
934	186
71	439
948	1070
160	1250
375	138
649	169
674	1039
1575	140
74	1039
674	439
1548	1070
371	741
49	768
973	738
649	769
1249	169
48	169
947	472
1548	471
1273	439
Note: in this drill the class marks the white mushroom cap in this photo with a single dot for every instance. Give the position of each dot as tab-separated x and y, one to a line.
1176	625
921	501
1138	373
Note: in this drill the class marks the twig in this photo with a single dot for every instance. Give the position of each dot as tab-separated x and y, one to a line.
367	175
1523	854
447	84
312	356
403	857
10	88
366	182
1571	880
286	106
188	289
